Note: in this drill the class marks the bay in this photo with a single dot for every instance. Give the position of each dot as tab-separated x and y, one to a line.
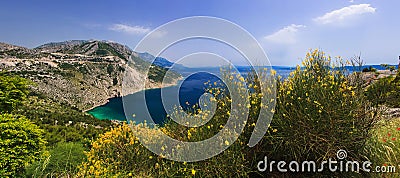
190	90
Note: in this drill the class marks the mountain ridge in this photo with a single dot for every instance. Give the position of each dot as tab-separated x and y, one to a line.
82	73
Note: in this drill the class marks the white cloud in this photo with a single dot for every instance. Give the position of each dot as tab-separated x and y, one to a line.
137	30
285	35
345	13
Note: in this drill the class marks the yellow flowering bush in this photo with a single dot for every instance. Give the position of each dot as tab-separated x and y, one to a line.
118	153
319	111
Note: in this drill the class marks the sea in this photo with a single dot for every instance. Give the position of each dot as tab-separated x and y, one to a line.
189	90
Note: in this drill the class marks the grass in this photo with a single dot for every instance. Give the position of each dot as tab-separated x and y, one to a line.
383	147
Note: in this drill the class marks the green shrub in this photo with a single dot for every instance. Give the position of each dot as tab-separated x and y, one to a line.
369	69
13	91
21	143
385	91
46	113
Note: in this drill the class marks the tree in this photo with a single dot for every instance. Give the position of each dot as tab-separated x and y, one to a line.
21	143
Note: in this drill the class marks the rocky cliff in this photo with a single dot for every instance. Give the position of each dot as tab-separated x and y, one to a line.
83	74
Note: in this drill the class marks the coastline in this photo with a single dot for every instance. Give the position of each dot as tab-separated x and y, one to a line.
122	95
97	105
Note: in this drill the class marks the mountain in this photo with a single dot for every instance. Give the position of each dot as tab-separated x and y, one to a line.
159	61
87	48
82	73
13	50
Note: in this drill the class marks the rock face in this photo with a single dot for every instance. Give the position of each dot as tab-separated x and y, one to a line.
83	74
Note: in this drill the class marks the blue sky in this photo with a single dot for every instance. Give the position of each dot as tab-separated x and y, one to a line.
285	29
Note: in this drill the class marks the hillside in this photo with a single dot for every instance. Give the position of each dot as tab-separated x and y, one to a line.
80	73
159	61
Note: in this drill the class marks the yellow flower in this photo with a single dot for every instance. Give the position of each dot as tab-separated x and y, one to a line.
189	134
226	142
273	72
193	172
275	130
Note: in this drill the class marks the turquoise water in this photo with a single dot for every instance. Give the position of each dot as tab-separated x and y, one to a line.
112	110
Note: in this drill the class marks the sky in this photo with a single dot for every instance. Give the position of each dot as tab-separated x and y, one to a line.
285	29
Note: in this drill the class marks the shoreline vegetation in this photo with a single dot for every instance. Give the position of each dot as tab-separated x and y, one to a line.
318	112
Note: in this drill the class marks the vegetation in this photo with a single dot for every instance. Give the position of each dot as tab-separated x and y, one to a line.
21	143
61	122
105	49
320	109
61	161
155	72
383	147
13	91
385	91
369	69
118	152
388	67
